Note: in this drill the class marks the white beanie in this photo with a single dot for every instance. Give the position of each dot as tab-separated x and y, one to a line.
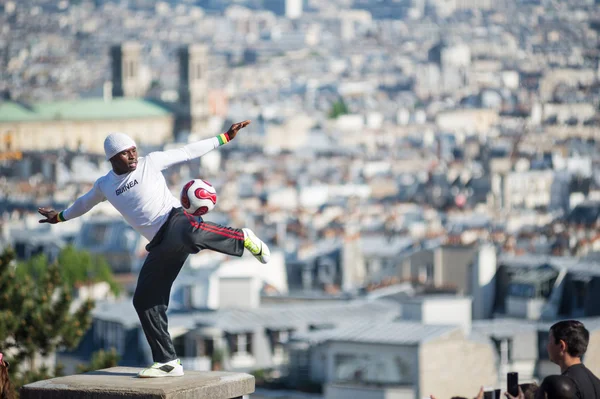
117	142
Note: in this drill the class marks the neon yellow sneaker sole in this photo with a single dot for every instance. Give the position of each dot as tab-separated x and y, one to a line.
256	246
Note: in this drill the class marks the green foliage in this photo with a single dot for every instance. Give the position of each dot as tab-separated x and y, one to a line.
260	374
100	360
218	355
36	316
76	267
338	108
11	294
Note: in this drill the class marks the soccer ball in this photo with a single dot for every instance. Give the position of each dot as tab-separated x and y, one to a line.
198	197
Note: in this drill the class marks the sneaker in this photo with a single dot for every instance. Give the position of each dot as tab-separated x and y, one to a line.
170	369
259	249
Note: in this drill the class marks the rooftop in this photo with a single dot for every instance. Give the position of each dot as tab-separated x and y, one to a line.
269	316
80	110
573	265
392	333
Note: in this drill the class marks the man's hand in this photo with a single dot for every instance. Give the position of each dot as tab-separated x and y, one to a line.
521	395
50	214
235	128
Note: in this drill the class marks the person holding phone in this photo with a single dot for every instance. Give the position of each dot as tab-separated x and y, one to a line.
553	387
567	343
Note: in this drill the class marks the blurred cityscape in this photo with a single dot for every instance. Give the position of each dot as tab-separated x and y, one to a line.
426	173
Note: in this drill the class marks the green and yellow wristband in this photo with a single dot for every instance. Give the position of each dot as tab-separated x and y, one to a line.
223	138
60	217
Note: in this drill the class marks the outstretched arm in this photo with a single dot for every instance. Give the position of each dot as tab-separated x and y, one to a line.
164	159
81	205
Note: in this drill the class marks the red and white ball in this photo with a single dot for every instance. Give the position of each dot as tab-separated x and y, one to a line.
198	197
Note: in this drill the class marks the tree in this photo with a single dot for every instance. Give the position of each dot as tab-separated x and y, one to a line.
35	314
338	108
76	267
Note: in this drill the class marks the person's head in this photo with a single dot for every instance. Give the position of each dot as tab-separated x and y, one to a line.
567	339
121	151
559	387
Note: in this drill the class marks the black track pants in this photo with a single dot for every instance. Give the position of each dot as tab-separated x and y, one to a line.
180	236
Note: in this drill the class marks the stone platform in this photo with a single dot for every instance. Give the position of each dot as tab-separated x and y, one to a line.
121	382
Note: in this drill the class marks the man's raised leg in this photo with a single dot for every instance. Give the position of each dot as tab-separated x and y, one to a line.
227	240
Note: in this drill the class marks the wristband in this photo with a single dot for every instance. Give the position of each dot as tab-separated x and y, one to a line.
60	217
223	138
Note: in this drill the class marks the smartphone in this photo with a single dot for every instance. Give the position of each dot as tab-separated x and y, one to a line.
512	383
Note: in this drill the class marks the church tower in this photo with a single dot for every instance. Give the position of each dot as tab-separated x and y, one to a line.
125	59
193	86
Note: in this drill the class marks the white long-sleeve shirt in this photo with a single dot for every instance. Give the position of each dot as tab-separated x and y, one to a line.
141	196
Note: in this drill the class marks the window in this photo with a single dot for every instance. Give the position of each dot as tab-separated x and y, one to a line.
249	343
426	273
240	343
202	347
208	347
278	339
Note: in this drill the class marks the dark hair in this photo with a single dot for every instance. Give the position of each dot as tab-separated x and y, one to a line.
575	335
530	391
559	387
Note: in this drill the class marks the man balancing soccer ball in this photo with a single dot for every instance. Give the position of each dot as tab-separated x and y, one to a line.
137	189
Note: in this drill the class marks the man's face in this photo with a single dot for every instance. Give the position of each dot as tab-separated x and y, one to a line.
554	349
126	161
